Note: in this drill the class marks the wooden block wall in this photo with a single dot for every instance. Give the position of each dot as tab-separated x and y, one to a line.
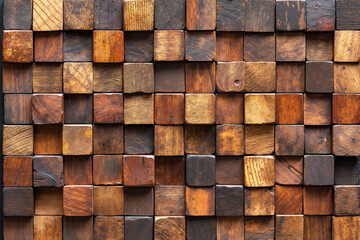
181	119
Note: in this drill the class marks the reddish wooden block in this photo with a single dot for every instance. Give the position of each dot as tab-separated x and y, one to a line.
139	201
291	15
200	139
77	170
108	108
169	45
318	201
259	47
18	201
18	228
346	200
108	200
200	46
108	139
49	201
317	109
139	46
78	227
317	227
230	15
78	200
169	200
289	170
290	108
139	139
260	16
259	201
346	140
17	172
345	110
230	76
229	200
170	170
260	227
288	199
78	14
108	227
77	139
200	77
78	108
48	47
17	46
230	139
229	46
290	47
169	77
169	108
200	201
139	228
319	77
169	140
48	139
289	227
17	78
318	140
139	170
229	108
48	227
320	15
200	15
229	170
230	227
289	140
48	108
78	46
48	171
290	77
107	169
200	170
108	46
17	109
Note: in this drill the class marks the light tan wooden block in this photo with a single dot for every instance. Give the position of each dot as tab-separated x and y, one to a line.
200	108
77	139
259	108
139	109
48	15
347	46
259	171
18	139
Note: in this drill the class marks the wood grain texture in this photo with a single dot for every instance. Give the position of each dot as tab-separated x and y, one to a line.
169	200
47	227
170	170
346	200
345	227
18	201
290	77
108	77
78	228
229	200
346	17
18	228
346	140
259	202
169	77
289	170
139	139
139	109
229	170
259	108
77	139
260	76
48	201
48	171
199	108
345	110
289	140
169	108
291	15
17	171
48	46
200	201
171	228
229	108
320	15
139	170
200	46
138	15
289	227
290	47
108	14
78	14
47	108
78	108
108	227
169	45
259	47
289	108
169	140
108	200
201	228
200	15
319	77
200	139
78	200
346	170
47	77
200	77
346	77
108	139
108	46
17	78
78	46
47	15
77	170
288	199
259	139
229	46
17	109
107	169
139	46
318	140
259	171
108	108
346	46
230	15
317	109
230	228
78	77
230	76
200	170
260	16
318	200
230	139
48	139
319	46
17	46
139	228
259	228
138	78
18	140
17	14
139	201
170	14
318	227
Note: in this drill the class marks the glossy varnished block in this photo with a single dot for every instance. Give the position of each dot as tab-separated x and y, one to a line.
108	46
169	200
48	47
200	139
78	170
230	139
18	139
318	200
230	76
139	170
108	200
289	108
107	169
169	45
17	109
78	200
346	46
345	110
289	140
229	200
18	14
200	170
259	108
48	171
47	108
230	15
108	108
17	46
77	139
291	15
200	46
78	78
17	171
288	199
138	15
169	140
259	171
48	15
200	201
200	15
259	201
78	14
18	201
169	227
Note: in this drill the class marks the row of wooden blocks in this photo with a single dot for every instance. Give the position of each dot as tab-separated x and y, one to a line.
25	46
144	15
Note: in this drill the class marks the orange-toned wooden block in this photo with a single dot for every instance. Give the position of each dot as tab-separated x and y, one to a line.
169	45
290	108
108	46
48	47
200	77
138	15
49	201
318	200
259	171
169	140
48	108
169	108
347	46
139	170
78	200
108	200
78	78
78	170
259	201
48	227
17	171
345	227
200	15
108	108
107	169
17	46
229	46
200	201
288	199
230	139
230	76
260	76
229	108
289	170
346	109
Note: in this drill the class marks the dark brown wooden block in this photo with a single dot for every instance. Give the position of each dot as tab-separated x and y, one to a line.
169	200
108	77
18	139
320	15
18	228
48	139
18	201
290	77
78	14
346	170
139	170
346	140
230	139
107	169
229	108
139	139
317	140
49	201
17	46
170	170
108	200
139	46
290	108
170	14
229	170
259	139
201	228
48	171
290	47
108	108
77	139
259	171
138	78
291	15
17	78
200	77
169	45
289	140
48	108
289	227
108	228
48	227
317	109
138	15
78	228
200	170
108	14
169	227
78	77
78	108
78	200
260	228
346	200
47	78
288	199
48	47
48	15
77	170
319	46
229	46
200	139
346	77
318	200
200	201
230	228
230	15
78	46
169	108
108	46
260	76
139	228
108	139
259	201
319	77
230	76
169	140
139	201
169	77
200	15
351	231
259	108
17	171
139	109
17	14
317	227
17	109
229	200
345	109
200	46
260	16
259	47
346	17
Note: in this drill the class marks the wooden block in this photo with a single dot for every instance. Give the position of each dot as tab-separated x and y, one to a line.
346	17
139	46
260	76
107	169
108	46
346	46
230	139
49	201
17	46
318	200
259	201
48	171
78	200
47	78
77	139
199	108
17	172
201	228
346	200
78	108
170	170
108	14
289	227
229	170
138	15
78	46
259	47
346	140
169	200
48	47
200	139
290	77
78	77
200	170
17	14
317	227
230	228
200	201
108	228
317	109
139	201
139	139
259	108
320	15
108	108
78	170
230	76
78	14
290	108
290	15
259	139
17	109
260	16
289	170
345	109
18	228
290	47
317	140
229	200
229	108
169	108
319	46
47	15
139	228
17	78
48	139
345	227
169	14
18	201
108	200
108	139
139	170
259	228
108	77
319	77
346	77
288	199
289	140
200	46
48	108
200	77
169	140
169	77
139	109
200	15
78	228
230	15
169	228
346	171
18	139
48	227
169	45
259	171
229	46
